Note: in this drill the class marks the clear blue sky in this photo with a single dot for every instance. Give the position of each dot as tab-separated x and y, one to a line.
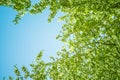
19	44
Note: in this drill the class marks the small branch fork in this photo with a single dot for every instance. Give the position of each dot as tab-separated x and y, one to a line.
110	44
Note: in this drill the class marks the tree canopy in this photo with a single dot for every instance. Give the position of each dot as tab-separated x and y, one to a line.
91	35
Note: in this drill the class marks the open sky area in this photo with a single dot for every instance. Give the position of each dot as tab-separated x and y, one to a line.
19	44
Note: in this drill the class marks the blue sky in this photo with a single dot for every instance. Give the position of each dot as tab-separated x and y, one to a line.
19	44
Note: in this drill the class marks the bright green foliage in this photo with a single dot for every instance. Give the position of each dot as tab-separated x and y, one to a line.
92	40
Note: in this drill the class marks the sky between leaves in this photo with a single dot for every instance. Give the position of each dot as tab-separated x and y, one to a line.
19	44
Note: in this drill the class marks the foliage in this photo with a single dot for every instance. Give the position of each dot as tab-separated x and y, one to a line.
91	35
